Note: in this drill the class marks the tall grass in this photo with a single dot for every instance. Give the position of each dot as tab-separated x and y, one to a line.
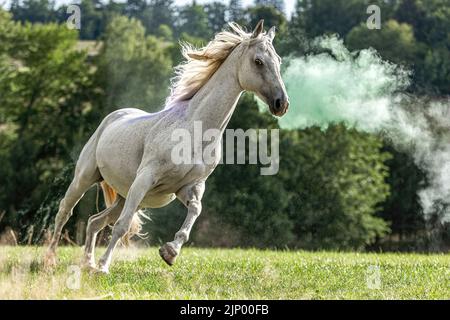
227	274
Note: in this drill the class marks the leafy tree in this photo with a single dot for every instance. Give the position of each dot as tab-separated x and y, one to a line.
328	16
402	208
92	19
161	13
133	69
394	41
434	73
165	33
135	8
236	11
193	20
337	185
216	16
430	19
46	103
140	10
113	8
8	30
33	10
431	22
336	16
277	4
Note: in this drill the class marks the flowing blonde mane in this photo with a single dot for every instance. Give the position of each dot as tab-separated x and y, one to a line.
202	63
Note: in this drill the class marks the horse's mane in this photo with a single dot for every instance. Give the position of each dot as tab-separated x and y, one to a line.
201	63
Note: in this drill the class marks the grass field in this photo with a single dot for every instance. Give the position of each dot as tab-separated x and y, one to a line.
227	274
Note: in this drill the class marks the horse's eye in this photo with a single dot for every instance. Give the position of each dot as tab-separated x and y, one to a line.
258	62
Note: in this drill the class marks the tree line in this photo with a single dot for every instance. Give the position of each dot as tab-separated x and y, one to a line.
337	188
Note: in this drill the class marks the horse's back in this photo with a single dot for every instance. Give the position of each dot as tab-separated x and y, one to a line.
87	160
121	114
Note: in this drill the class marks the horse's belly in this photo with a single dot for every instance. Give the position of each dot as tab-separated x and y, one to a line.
157	200
151	199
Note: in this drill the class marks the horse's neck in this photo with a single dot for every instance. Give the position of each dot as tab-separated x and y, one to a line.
215	102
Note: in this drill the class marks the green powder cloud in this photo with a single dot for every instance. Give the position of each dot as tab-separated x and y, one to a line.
355	88
364	91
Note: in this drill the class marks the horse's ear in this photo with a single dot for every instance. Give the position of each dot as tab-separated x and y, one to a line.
271	33
258	29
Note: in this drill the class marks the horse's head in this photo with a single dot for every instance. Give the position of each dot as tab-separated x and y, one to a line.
259	70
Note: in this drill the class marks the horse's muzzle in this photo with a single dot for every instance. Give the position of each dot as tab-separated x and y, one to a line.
279	106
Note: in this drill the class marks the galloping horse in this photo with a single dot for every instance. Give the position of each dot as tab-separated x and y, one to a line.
130	152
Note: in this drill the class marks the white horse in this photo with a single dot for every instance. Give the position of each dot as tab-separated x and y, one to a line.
130	152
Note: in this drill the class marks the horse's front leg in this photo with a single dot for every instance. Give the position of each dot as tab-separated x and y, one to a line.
191	197
141	185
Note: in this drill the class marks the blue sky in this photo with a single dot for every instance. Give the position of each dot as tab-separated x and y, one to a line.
289	4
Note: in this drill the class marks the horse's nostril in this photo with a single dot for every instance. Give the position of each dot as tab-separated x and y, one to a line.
278	104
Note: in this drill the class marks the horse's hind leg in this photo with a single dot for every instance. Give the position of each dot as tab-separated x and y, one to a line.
95	224
141	185
86	174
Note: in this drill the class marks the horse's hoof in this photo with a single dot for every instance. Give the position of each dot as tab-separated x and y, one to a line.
99	271
50	261
89	267
168	253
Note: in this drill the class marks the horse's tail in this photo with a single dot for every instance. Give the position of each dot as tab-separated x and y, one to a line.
110	196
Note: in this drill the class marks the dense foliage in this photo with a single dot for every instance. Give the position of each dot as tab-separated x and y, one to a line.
337	188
